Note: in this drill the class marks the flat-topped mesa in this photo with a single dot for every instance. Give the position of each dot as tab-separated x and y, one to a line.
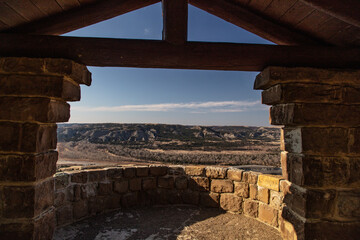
33	95
320	144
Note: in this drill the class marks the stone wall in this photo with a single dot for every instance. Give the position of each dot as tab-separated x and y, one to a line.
80	192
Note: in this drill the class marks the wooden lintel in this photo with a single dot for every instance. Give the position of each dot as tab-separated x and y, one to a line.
175	20
161	54
255	23
345	10
80	17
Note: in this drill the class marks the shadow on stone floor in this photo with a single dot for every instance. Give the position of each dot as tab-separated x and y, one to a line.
167	222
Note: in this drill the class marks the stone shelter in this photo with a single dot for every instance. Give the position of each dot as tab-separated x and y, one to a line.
311	79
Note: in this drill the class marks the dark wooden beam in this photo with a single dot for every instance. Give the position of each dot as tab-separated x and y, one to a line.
252	22
175	15
161	54
345	10
81	17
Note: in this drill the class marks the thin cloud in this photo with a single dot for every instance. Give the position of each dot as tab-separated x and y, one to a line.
194	107
147	31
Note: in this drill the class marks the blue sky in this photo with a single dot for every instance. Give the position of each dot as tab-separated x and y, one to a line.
190	97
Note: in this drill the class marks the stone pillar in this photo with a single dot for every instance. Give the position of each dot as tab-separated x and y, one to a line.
320	143
33	95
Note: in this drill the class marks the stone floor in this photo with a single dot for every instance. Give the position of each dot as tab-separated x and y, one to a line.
167	222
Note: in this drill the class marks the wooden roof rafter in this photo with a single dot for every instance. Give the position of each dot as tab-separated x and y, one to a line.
175	21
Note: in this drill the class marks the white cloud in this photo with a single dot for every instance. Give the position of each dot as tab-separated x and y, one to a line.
194	107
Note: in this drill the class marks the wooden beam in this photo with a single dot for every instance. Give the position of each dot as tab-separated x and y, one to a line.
345	10
175	15
81	17
252	22
161	54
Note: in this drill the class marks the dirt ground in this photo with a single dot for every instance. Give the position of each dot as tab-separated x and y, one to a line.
168	222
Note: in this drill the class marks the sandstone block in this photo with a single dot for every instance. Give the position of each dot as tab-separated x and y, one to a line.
121	186
210	199
199	184
129	199
215	172
270	181
129	172
135	184
32	109
241	189
250	177
181	183
348	204
234	174
231	202
27	201
176	170
59	198
77	192
275	75
174	197
190	197
268	215
28	167
79	177
251	208
253	191
22	65
222	186
332	230
263	194
310	93
195	170
158	170
62	180
40	86
276	199
308	114
96	205
89	190
114	172
27	137
64	215
149	183
80	209
105	188
166	182
142	171
96	175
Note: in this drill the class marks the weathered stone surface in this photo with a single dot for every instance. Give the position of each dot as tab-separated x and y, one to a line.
64	215
32	109
332	230
263	194
234	174
308	114
268	214
158	170
181	183
222	186
80	209
276	199
114	172
210	199
199	184
348	204
275	75
89	190
195	170
129	199
135	184
231	202
142	171
96	175
253	191
190	197
129	172
22	65
311	203
166	182
59	198
176	170
27	201
241	189
28	167
105	188
270	181
251	208
315	140
62	180
149	183
27	137
39	86
310	93
121	186
79	177
250	177
215	172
